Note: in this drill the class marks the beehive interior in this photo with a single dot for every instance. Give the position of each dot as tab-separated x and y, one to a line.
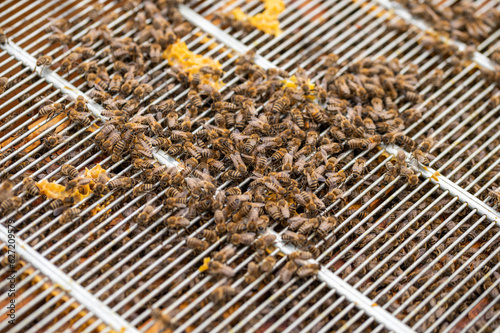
147	246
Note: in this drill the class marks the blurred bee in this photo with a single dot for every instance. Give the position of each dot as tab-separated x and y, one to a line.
225	253
69	215
211	92
294	238
179	201
409	175
69	171
221	294
286	273
115	83
178	222
82	118
263	241
238	162
11	204
3	37
100	185
312	178
210	235
51	109
307	270
326	226
217	268
268	264
219	106
356	144
243	239
333	195
3	84
426	145
358	167
44	61
308	226
495	195
53	140
280	105
142	90
30	186
196	244
142	188
121	183
59	37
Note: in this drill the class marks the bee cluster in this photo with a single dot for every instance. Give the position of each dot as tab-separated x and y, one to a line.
460	21
292	153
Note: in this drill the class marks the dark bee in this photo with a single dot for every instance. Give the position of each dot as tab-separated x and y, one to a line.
30	187
69	171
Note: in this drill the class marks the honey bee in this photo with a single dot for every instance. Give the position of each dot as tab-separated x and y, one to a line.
178	222
217	268
326	226
82	118
3	84
263	241
495	194
312	178
333	195
238	162
300	255
59	37
307	270
287	271
30	187
121	183
3	37
179	201
144	216
53	140
210	235
221	294
44	61
268	264
196	244
142	188
69	215
55	204
294	238
426	144
308	226
358	167
243	239
69	171
142	90
115	83
409	175
51	109
231	175
357	144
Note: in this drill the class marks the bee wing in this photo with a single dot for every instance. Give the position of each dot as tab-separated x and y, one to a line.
59	211
183	194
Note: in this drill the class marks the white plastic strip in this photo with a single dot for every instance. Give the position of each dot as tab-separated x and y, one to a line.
207	26
403	13
82	296
71	91
343	288
446	184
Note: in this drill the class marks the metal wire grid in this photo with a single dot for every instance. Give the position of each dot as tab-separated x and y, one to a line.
38	297
364	31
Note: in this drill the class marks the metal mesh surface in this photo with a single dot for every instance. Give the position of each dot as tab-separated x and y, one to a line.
424	257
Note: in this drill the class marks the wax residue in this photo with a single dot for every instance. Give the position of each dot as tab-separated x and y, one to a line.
178	54
267	21
57	191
